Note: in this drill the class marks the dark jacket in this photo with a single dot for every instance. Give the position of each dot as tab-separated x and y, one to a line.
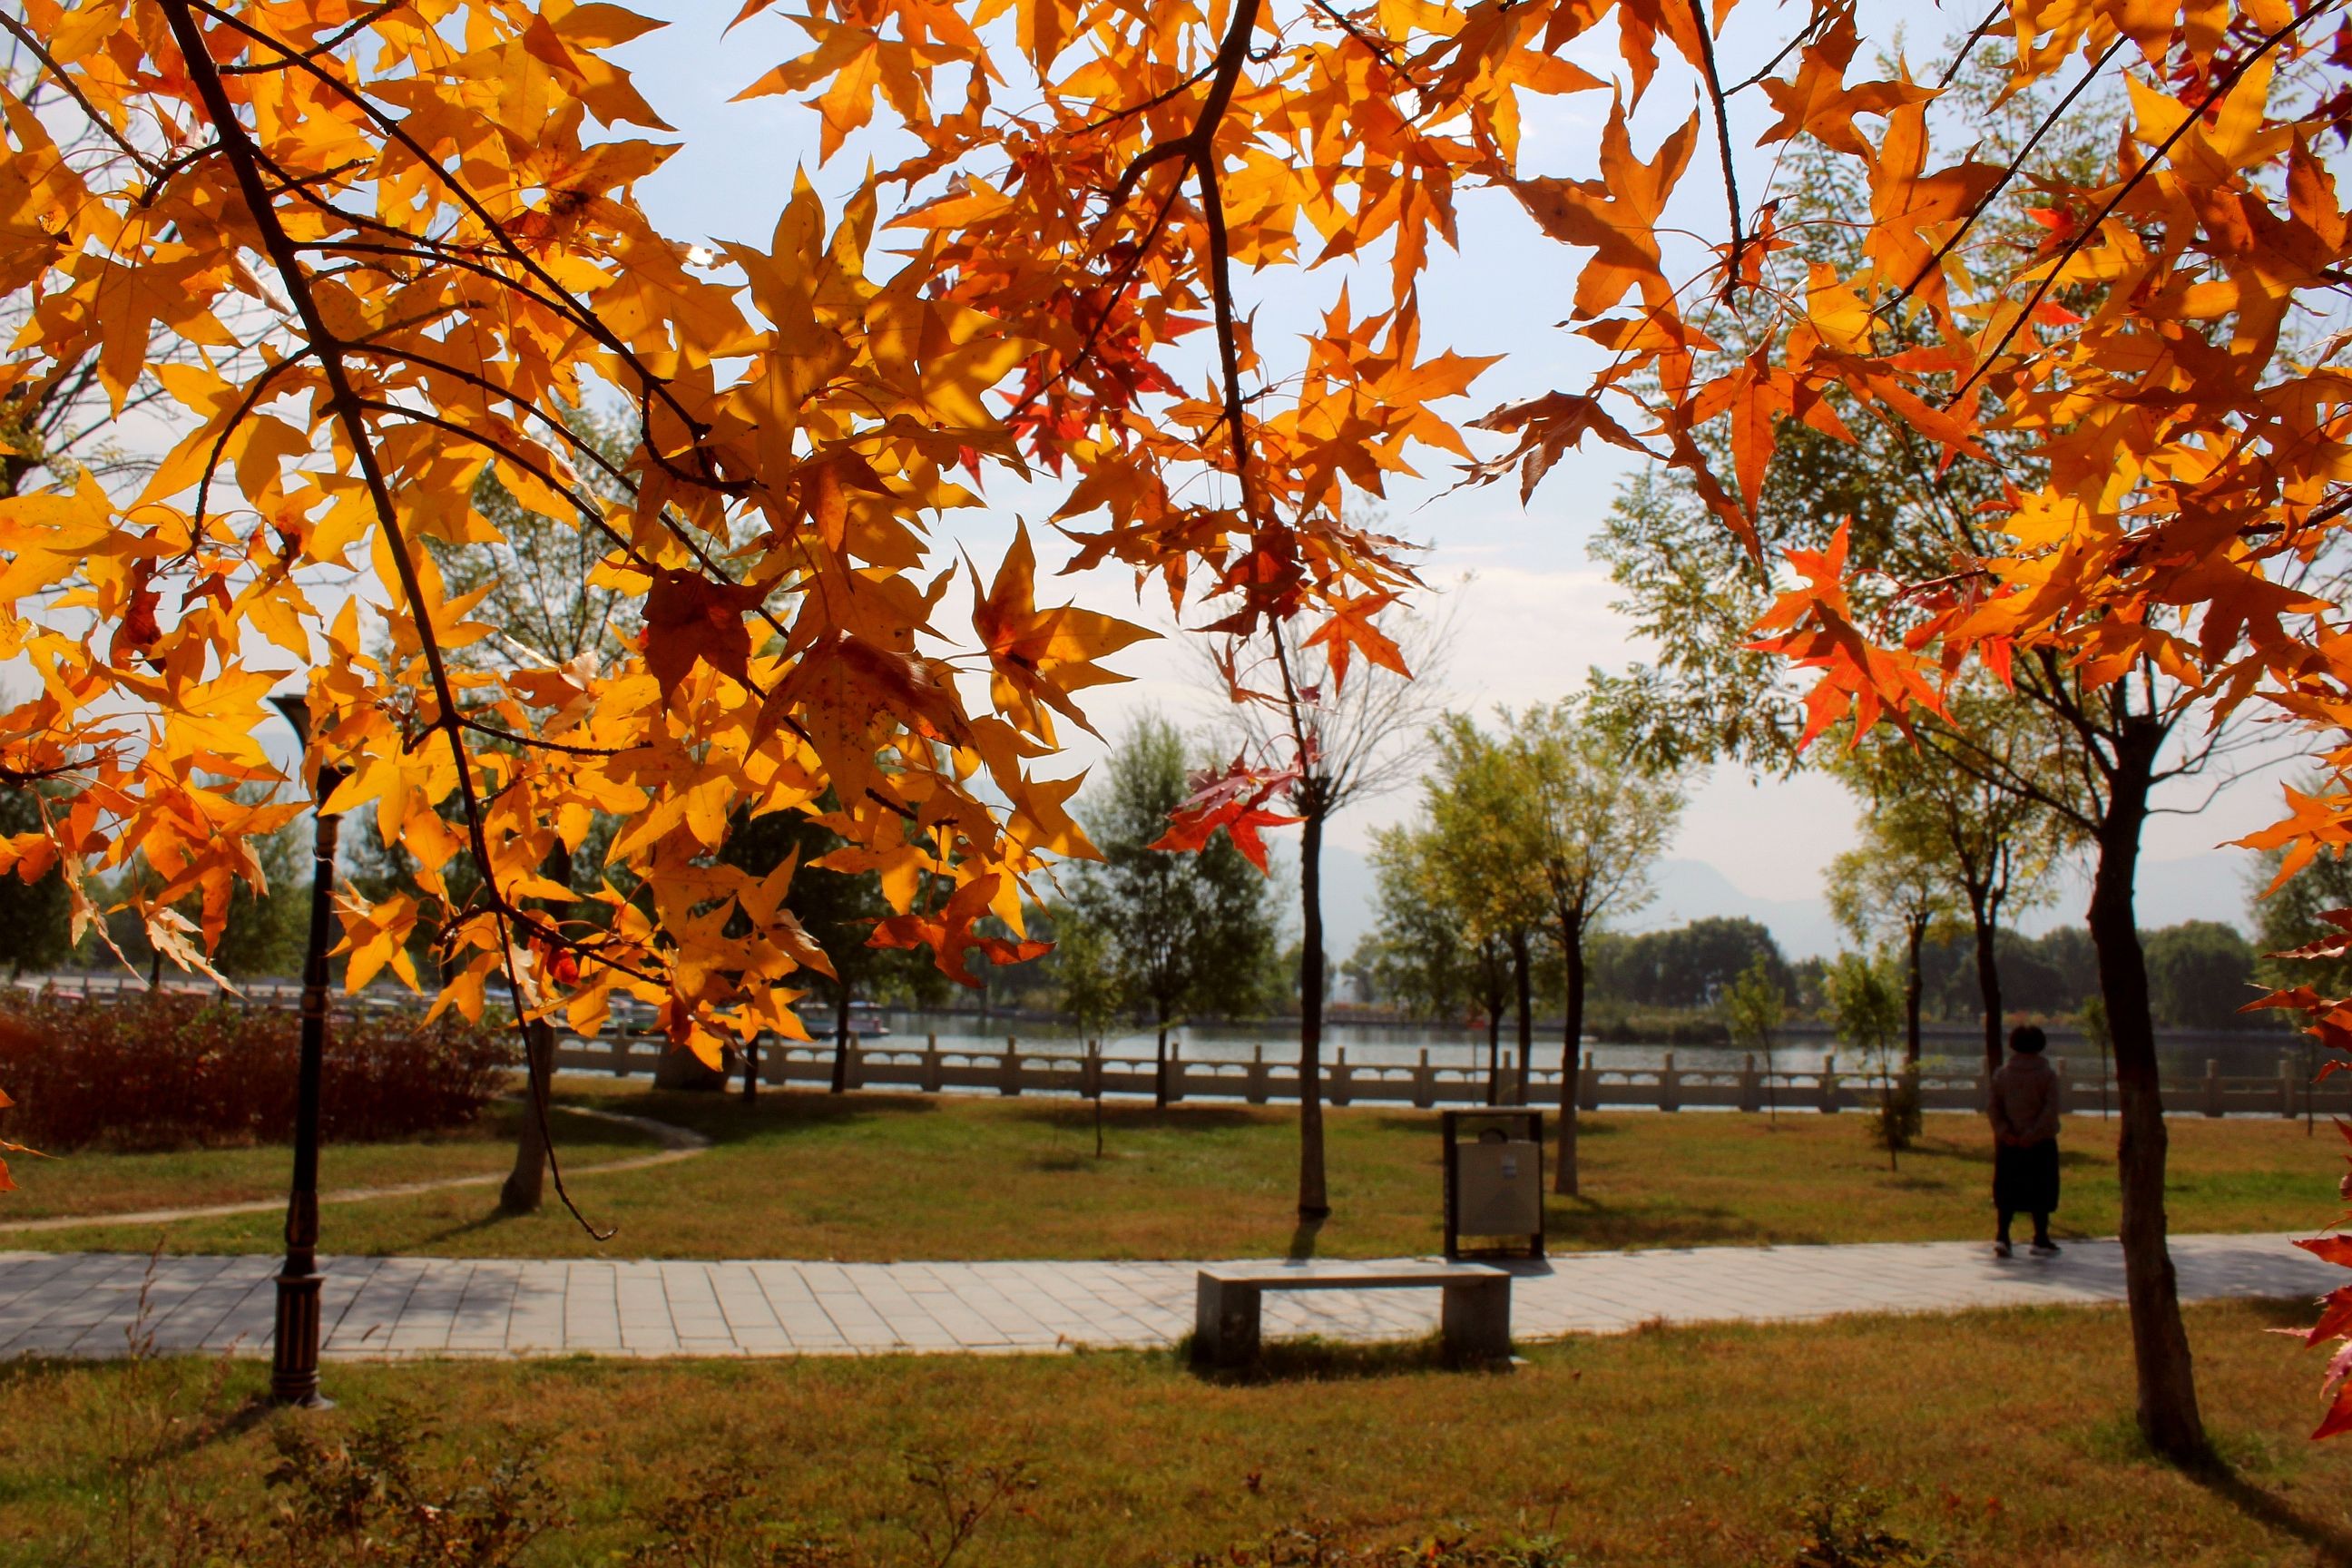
2025	1100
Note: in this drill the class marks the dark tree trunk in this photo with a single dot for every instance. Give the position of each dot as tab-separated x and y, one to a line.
752	1067
1160	1068
1523	984
1981	911
526	1184
1493	1048
1314	1198
1913	987
1571	1051
841	1035
2167	1387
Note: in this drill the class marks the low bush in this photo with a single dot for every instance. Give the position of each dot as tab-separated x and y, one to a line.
160	1070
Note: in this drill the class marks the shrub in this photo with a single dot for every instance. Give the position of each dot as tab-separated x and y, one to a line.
161	1071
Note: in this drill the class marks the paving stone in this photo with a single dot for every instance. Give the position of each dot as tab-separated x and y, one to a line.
90	1305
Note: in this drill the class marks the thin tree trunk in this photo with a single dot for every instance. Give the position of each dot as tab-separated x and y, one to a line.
1523	984
1914	986
1314	1198
526	1184
752	1067
1988	977
841	1035
1160	1068
1493	1048
1571	1050
2169	1417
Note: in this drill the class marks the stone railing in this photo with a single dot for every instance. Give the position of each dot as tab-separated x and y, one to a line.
1016	1070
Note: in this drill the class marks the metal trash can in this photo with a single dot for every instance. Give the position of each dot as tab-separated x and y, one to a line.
1493	1182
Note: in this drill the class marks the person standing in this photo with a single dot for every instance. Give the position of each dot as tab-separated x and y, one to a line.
2025	1140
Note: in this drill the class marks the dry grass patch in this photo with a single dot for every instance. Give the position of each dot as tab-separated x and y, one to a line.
1993	1437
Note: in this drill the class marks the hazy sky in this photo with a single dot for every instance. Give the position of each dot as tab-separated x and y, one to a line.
1534	608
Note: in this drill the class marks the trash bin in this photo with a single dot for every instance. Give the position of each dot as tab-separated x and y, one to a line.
1493	1182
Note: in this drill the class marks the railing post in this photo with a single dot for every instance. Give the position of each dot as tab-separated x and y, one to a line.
1425	1083
2063	1087
1008	1076
1670	1083
619	1047
2212	1087
934	1071
1751	1094
854	1067
1588	1082
1337	1089
1828	1085
1255	1090
1175	1071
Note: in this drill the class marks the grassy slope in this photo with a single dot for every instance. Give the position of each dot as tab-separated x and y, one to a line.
883	1176
2001	1438
94	1182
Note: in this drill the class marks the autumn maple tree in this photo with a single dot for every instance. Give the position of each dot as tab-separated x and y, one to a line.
402	241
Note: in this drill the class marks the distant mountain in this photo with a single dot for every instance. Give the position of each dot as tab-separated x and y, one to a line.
2213	886
1694	890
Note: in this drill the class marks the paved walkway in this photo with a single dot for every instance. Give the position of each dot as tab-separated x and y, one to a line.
96	1304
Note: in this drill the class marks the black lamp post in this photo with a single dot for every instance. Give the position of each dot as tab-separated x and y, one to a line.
294	1361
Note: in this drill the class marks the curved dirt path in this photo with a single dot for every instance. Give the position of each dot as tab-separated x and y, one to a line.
677	1143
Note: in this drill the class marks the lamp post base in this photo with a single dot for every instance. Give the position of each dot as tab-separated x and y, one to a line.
294	1352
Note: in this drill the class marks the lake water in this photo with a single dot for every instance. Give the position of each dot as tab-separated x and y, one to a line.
1401	1046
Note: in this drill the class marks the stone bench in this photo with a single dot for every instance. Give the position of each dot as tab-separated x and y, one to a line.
1476	1312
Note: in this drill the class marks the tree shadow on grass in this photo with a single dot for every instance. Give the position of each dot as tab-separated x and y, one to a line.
723	1116
2329	1542
490	1220
1134	1116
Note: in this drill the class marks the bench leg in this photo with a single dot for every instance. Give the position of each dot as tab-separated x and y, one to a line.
1477	1322
1225	1323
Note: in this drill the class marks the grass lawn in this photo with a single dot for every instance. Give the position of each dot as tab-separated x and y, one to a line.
879	1176
1995	1438
95	1181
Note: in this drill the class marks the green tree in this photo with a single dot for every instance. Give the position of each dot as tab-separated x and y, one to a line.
1488	845
267	933
1896	888
1186	933
2200	973
1599	819
33	915
1753	1006
2000	845
1688	965
1687	583
1088	985
1419	953
2291	917
1866	1013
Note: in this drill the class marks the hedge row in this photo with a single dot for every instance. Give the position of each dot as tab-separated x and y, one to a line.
158	1071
